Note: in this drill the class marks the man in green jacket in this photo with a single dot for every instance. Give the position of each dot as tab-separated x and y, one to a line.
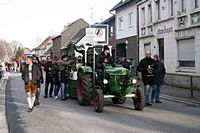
64	67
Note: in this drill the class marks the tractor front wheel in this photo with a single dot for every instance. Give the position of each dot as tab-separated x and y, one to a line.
138	100
98	100
84	88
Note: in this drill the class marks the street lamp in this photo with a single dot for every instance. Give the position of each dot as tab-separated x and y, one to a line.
126	42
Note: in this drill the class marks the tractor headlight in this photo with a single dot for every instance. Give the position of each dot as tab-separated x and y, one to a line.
105	81
134	81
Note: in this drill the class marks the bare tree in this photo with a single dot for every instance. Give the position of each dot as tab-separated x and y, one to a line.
8	50
15	45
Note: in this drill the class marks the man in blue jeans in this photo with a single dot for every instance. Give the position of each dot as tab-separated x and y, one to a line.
49	78
146	67
55	72
64	75
159	73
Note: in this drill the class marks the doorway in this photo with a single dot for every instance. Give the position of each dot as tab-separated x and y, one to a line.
121	50
161	50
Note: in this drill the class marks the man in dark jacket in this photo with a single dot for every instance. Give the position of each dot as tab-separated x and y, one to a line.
125	63
31	74
104	58
39	82
146	67
55	73
159	76
49	77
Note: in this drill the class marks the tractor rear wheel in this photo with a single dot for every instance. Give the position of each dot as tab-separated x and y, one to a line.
138	100
119	100
84	88
98	100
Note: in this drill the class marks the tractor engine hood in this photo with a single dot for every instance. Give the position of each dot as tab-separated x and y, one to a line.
116	71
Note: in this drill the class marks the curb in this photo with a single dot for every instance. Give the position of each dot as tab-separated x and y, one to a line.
3	120
180	100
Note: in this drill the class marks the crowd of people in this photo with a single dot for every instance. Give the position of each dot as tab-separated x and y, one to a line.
8	67
57	73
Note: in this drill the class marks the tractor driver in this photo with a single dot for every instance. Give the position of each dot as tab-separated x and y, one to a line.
104	58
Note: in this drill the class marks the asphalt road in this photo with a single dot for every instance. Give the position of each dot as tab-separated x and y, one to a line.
68	117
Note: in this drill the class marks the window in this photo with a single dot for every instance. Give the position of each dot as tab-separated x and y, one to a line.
158	9
150	13
120	23
130	19
171	7
111	31
143	16
196	3
183	8
186	53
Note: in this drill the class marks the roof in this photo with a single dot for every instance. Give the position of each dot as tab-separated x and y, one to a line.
120	4
72	31
138	1
73	23
45	42
108	20
79	36
59	35
48	49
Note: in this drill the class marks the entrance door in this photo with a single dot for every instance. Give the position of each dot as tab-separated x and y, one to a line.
161	50
121	50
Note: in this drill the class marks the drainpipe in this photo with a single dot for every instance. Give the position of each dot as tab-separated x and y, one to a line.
115	35
138	33
138	45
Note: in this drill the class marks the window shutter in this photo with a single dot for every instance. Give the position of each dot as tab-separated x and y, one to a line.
186	50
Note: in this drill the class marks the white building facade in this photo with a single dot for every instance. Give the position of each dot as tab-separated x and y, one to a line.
126	29
171	29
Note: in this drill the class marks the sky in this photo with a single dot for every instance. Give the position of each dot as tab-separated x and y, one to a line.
31	21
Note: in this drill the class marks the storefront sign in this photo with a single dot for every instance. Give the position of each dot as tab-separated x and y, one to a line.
165	30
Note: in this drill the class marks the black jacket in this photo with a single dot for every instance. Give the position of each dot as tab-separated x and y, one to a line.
48	70
36	74
147	75
126	64
64	67
102	58
55	69
159	72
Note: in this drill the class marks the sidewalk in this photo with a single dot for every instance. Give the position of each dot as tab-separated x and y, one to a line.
178	93
3	122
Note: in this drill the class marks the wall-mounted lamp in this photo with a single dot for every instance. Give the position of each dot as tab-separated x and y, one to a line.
126	42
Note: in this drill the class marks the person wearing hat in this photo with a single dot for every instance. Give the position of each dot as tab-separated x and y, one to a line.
159	74
104	58
31	74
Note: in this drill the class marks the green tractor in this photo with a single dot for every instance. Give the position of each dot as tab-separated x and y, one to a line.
115	83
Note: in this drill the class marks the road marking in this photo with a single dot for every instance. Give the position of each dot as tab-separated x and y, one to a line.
181	100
